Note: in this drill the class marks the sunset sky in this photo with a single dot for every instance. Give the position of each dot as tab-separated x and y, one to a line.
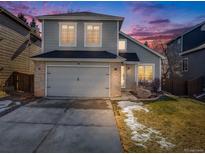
146	21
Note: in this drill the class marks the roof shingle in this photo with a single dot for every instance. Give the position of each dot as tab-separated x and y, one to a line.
129	56
76	54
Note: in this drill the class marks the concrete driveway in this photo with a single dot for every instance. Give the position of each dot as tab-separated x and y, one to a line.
60	126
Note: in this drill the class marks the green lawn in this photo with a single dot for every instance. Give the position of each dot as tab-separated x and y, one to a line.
180	120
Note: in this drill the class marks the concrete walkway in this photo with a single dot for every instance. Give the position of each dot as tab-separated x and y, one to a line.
60	126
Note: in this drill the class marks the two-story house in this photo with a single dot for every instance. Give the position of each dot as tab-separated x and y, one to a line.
186	54
84	54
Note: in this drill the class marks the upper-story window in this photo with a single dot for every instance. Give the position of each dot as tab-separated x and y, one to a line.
93	35
67	36
185	64
122	44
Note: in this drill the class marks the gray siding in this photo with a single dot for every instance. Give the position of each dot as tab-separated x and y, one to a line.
194	38
109	36
196	65
144	55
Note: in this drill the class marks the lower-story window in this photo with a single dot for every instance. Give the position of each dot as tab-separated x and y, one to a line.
145	73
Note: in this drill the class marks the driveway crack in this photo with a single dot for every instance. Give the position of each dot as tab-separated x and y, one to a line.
49	132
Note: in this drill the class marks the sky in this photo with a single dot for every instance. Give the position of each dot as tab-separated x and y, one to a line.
145	21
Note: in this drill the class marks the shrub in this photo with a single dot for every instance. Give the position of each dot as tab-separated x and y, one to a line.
155	85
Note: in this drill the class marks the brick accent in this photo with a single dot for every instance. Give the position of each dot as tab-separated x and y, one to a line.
115	72
39	79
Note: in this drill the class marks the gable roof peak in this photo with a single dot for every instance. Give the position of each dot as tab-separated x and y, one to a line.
142	45
81	15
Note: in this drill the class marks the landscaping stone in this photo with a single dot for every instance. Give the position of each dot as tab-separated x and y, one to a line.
143	93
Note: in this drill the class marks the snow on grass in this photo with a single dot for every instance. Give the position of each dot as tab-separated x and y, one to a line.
140	133
7	104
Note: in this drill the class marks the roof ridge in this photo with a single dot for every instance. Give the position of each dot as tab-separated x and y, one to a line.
81	13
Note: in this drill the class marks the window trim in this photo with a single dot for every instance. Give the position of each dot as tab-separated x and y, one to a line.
125	44
144	64
68	45
85	33
183	70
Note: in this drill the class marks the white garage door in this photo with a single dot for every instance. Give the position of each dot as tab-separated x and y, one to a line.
75	81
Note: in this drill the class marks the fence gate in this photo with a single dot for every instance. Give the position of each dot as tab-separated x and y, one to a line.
21	82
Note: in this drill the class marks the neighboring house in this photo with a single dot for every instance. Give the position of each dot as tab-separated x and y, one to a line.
17	45
84	54
186	54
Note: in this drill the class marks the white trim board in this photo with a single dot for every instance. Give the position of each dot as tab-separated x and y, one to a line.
142	45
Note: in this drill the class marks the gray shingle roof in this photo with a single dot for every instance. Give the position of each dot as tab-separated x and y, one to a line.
77	15
76	54
129	56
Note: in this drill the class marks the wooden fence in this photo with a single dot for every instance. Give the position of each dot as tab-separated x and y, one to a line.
180	87
20	82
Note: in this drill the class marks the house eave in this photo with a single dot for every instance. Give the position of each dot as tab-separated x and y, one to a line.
80	59
131	62
77	18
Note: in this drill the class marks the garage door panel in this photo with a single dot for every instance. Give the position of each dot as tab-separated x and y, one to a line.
78	81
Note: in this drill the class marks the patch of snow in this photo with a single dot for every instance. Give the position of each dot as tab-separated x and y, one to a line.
141	133
5	103
3	109
18	103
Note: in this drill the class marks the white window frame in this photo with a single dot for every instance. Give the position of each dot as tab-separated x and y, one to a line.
85	34
183	70
125	45
144	64
68	23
